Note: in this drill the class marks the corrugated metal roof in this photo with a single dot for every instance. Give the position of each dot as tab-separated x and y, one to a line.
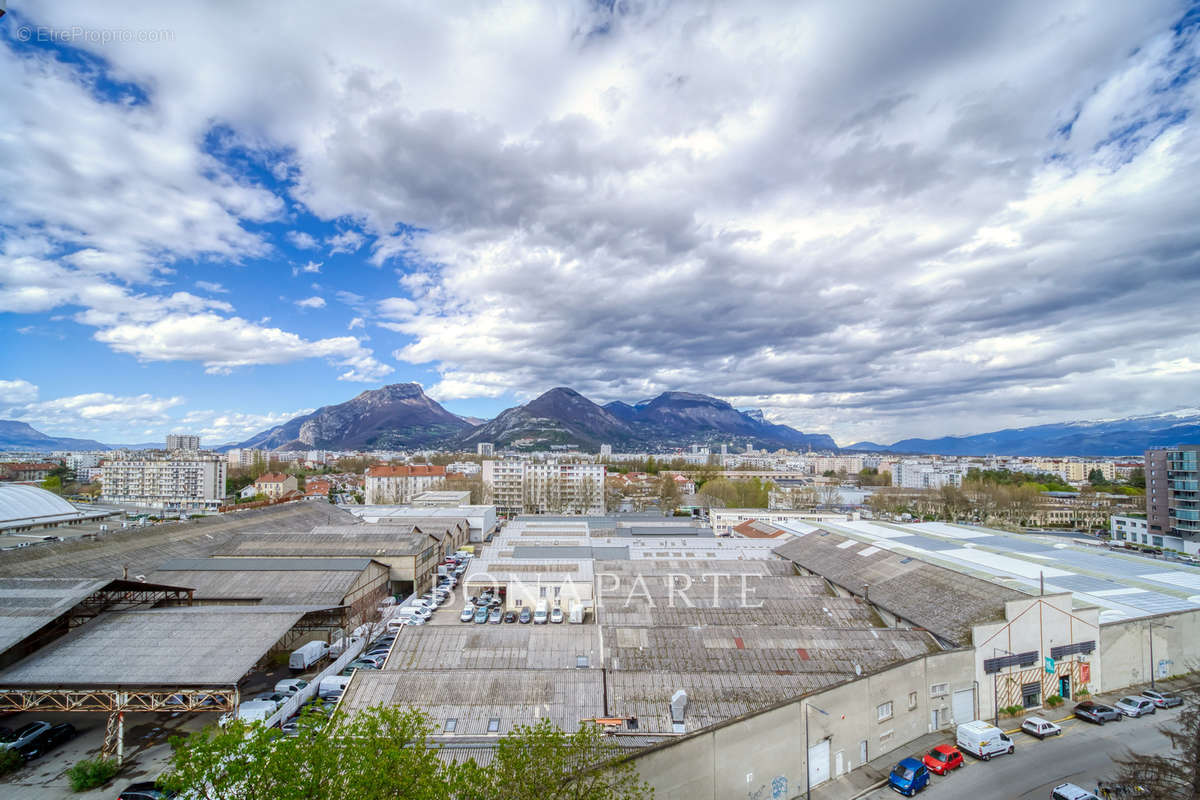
318	585
26	604
265	564
943	601
198	646
495	647
474	697
142	550
352	543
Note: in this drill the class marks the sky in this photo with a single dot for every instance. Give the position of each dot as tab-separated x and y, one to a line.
873	220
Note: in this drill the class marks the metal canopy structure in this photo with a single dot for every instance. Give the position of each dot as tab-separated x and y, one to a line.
35	611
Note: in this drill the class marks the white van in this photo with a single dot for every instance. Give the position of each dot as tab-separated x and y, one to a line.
332	686
541	614
983	740
250	712
307	655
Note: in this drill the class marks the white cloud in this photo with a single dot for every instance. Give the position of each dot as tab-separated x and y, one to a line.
220	427
17	391
223	344
357	322
311	302
311	266
345	242
87	414
210	286
301	240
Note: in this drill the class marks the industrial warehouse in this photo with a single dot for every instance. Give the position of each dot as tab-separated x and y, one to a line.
680	643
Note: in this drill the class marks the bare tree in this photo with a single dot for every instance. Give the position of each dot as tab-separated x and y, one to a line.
1169	774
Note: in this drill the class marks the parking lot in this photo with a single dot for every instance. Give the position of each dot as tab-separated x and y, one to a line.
1082	754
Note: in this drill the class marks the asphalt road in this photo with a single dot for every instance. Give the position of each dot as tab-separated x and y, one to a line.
1082	754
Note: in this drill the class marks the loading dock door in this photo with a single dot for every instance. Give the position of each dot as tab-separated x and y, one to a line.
963	706
818	763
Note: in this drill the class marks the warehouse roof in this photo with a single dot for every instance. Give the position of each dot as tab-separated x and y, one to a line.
27	604
198	646
495	647
273	581
473	698
355	543
141	550
22	505
944	602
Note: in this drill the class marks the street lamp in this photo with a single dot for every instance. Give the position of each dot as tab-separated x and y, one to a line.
995	687
1152	665
807	766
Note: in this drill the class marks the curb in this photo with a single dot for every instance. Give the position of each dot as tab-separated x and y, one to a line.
877	785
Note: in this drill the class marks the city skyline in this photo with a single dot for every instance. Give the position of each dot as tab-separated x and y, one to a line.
876	224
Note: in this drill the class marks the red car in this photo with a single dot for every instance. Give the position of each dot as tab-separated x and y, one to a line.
943	758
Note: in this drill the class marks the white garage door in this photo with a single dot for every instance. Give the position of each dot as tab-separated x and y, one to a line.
963	706
818	763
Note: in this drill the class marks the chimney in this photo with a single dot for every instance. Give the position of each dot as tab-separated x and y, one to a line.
125	572
867	592
678	710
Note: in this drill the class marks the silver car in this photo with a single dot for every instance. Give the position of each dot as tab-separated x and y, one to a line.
1162	699
1135	706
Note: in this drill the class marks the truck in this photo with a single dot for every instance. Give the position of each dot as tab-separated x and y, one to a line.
541	614
576	615
307	655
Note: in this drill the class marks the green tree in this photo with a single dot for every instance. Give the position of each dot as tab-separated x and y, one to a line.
668	491
1096	478
53	483
541	762
1137	478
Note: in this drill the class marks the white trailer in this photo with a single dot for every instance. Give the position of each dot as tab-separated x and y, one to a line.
307	655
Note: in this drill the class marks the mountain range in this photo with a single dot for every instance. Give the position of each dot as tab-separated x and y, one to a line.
1118	437
402	416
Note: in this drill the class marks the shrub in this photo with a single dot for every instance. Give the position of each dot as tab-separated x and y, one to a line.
9	760
1082	691
91	772
1054	701
1012	711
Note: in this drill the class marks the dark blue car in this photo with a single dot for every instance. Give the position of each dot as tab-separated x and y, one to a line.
909	777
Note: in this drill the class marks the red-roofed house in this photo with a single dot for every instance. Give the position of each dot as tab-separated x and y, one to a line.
389	485
275	484
754	529
317	487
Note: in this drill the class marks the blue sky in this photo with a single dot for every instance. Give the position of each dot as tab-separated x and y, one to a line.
873	222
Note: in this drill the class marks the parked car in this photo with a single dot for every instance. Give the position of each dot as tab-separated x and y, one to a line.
144	790
1098	713
1069	791
1163	699
1135	706
360	663
494	616
290	686
25	734
908	777
943	758
481	616
47	740
526	616
1041	728
468	613
556	615
510	616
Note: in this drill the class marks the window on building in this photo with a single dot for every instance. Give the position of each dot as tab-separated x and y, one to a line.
939	690
884	711
581	662
494	725
557	589
542	591
517	602
912	700
451	724
1031	695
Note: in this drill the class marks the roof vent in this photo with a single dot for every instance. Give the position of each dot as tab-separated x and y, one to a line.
679	702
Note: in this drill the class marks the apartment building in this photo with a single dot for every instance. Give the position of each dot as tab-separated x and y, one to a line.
183	441
244	456
178	482
1173	496
485	449
523	487
388	485
819	465
912	474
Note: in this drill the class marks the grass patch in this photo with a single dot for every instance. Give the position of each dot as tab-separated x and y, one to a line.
92	772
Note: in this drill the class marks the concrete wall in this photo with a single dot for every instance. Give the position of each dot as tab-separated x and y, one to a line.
1125	648
1036	624
762	755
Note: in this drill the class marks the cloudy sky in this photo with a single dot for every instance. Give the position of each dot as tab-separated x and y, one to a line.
869	219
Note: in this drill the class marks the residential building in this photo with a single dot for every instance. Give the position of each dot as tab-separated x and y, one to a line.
397	485
724	520
183	441
1173	497
275	484
1134	529
913	474
180	481
485	449
550	487
22	471
606	451
244	456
